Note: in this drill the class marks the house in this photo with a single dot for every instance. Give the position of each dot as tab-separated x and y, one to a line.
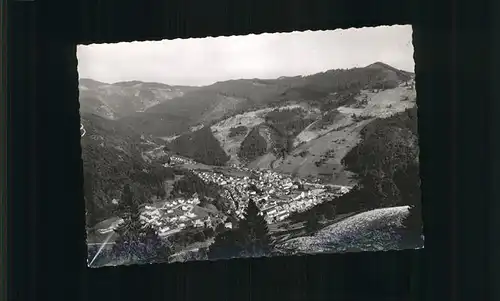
282	212
116	223
170	211
181	226
183	218
228	225
185	208
344	189
198	223
283	216
163	230
272	211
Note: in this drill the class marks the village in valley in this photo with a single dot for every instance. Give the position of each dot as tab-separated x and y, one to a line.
322	159
277	195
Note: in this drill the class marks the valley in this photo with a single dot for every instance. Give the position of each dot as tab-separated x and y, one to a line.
196	156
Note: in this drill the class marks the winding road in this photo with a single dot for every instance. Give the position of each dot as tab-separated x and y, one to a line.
82	130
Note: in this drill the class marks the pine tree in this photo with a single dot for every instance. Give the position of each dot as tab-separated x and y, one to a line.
253	232
155	249
312	222
225	244
250	239
126	246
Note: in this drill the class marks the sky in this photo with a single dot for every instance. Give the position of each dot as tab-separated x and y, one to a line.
204	61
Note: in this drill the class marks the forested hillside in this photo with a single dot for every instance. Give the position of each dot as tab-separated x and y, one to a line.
201	146
386	164
112	158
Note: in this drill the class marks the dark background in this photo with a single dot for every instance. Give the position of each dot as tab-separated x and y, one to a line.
46	231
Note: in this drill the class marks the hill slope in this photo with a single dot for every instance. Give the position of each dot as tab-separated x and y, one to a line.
201	146
210	104
311	137
112	156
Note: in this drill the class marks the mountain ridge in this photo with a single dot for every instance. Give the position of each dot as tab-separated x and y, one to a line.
148	106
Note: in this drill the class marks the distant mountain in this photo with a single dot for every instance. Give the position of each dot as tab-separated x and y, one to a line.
297	117
403	75
121	99
209	104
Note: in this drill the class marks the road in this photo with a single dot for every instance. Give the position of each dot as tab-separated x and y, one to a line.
82	129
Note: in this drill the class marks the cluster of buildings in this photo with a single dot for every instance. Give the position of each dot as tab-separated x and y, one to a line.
180	160
175	215
277	195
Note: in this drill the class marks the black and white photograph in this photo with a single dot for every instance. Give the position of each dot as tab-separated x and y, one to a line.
263	145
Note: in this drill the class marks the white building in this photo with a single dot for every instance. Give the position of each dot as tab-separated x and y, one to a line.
282	217
282	212
272	211
344	189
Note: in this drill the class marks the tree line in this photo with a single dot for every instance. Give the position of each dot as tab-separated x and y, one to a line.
250	238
